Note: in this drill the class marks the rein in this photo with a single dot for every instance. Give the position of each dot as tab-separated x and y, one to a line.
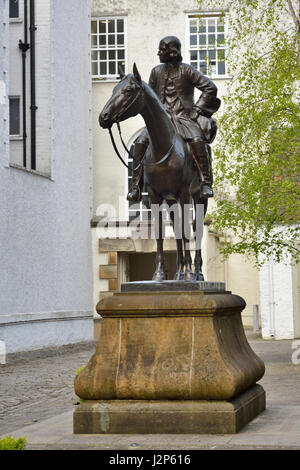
165	157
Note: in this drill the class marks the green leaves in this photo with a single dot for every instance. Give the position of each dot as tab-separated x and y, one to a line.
257	153
10	443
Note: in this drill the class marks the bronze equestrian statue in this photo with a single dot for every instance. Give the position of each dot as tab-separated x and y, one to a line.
174	144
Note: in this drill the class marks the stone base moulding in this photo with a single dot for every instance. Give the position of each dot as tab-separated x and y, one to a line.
169	417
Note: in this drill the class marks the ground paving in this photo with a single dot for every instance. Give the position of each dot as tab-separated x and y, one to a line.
38	400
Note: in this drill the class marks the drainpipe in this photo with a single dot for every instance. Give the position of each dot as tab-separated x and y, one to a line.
33	106
271	297
24	46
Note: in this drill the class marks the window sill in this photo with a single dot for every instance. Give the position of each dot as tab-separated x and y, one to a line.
105	80
219	77
32	172
16	20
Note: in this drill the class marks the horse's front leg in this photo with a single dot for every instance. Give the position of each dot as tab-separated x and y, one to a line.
185	210
156	202
199	203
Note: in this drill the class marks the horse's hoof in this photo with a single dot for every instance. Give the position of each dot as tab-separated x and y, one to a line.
199	277
189	276
179	276
158	277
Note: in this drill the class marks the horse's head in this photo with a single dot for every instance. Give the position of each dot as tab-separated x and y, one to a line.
126	100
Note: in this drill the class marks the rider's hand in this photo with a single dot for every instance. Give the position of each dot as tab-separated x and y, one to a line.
195	114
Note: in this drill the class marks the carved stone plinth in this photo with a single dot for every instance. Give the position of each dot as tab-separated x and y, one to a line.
157	346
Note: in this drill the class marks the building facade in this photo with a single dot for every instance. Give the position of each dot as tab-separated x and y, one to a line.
45	174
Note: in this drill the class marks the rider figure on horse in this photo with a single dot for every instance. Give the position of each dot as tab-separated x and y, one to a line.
174	83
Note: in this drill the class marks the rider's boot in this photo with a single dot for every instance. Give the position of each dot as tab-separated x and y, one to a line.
202	157
135	193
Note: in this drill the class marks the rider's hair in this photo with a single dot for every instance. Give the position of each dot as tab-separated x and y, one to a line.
175	43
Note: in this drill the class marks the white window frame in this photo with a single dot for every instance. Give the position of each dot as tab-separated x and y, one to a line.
206	16
108	78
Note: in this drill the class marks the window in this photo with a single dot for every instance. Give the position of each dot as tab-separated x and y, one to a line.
108	37
14	116
207	44
14	8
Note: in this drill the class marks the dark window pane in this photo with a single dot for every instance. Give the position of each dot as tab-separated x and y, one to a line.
203	55
111	40
211	39
193	40
202	39
202	26
14	9
120	26
203	67
102	40
220	25
121	54
112	68
94	68
102	27
111	26
112	55
94	27
103	55
212	55
193	27
120	39
211	26
103	69
221	55
220	39
194	55
14	116
121	65
221	68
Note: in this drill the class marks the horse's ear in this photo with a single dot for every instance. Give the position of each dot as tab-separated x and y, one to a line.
121	72
136	73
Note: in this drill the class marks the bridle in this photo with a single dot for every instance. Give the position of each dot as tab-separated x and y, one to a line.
124	110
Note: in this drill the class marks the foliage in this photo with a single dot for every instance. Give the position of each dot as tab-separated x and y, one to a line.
256	156
79	370
10	443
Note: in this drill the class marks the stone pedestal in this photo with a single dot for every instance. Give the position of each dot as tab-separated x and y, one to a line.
172	360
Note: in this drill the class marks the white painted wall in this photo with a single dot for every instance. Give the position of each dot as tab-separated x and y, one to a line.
45	250
280	319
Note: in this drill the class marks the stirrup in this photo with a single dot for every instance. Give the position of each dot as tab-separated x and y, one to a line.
206	190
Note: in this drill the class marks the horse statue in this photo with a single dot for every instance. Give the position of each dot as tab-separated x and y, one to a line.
169	173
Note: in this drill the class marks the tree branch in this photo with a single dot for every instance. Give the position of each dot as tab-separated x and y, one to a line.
294	16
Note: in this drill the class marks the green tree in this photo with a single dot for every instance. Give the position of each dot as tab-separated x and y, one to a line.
256	156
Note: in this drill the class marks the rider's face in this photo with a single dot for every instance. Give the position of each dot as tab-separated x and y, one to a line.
164	52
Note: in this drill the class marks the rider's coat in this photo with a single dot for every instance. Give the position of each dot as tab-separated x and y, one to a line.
174	85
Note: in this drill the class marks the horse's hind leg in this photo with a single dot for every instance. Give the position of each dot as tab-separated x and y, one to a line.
200	211
176	223
185	208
